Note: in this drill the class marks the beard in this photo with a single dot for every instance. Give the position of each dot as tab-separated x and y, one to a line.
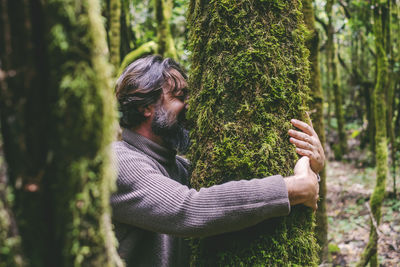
171	130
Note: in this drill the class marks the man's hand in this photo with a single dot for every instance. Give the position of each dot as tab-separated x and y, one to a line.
303	187
308	144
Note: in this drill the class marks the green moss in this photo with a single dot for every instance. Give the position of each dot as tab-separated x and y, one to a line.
333	248
249	78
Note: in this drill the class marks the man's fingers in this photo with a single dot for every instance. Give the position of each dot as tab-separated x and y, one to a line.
302	136
303	126
301	144
305	152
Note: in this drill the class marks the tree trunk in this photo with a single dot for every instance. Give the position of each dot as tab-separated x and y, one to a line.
317	116
249	78
115	33
166	46
341	149
127	35
328	85
57	120
382	81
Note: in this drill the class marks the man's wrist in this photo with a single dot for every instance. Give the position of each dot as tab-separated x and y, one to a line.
294	188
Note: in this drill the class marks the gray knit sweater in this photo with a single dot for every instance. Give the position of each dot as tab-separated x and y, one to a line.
153	208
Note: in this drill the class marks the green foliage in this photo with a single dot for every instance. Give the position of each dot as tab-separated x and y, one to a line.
249	78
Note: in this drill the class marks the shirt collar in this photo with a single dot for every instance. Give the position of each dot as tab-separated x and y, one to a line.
161	154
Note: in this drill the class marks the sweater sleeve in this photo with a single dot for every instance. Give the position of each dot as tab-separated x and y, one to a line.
149	200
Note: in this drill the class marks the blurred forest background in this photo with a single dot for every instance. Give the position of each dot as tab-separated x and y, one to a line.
354	45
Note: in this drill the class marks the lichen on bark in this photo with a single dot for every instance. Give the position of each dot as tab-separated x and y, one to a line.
249	77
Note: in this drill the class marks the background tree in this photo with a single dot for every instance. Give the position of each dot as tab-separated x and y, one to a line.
249	78
166	46
115	32
382	82
57	120
341	149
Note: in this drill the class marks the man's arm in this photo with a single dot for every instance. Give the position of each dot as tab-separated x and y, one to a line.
151	201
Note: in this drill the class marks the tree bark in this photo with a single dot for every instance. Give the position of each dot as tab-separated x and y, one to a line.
57	117
341	149
317	116
249	77
370	252
115	33
166	46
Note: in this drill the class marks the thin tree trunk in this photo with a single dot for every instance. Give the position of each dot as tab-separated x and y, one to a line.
341	149
115	33
57	115
249	78
328	83
370	252
166	46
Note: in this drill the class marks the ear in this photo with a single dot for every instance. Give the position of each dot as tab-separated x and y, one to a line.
147	111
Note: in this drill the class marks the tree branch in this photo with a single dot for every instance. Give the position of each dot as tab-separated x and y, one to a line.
323	24
342	63
347	12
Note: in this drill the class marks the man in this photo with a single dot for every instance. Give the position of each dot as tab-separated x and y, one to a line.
153	207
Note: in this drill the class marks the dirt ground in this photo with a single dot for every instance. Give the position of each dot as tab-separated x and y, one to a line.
349	189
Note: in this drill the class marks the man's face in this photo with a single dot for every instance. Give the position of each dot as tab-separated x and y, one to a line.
169	118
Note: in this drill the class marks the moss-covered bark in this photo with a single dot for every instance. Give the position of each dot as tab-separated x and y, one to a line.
317	116
115	32
249	77
341	149
57	116
166	46
382	81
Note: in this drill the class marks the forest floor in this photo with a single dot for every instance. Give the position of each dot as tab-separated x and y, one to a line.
349	188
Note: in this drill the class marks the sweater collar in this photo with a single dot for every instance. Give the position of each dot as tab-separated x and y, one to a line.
150	148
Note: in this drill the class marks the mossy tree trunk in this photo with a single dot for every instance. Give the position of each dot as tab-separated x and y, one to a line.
249	77
382	82
57	120
341	149
128	37
390	100
166	46
317	116
115	32
367	86
328	85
